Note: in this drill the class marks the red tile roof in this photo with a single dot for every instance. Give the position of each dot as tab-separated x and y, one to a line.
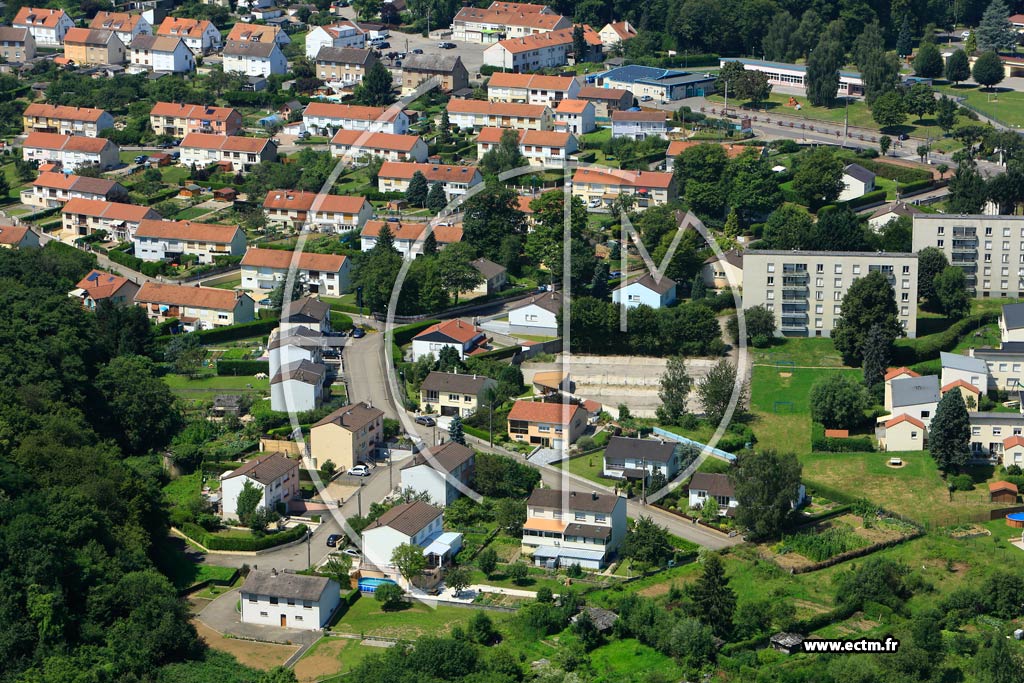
994	486
187	230
677	147
52	111
191	111
70	143
623	30
531	81
350	111
101	209
904	418
115	21
13	234
961	383
837	433
88	36
544	138
433	172
100	285
282	259
1013	441
527	111
536	411
252	32
536	20
176	26
185	295
388	141
623	178
227	143
896	372
592	92
572	106
33	16
456	329
444	234
656	116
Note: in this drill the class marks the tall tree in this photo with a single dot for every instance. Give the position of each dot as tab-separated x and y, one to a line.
958	68
877	353
949	435
436	198
838	401
945	113
930	262
408	558
890	109
778	43
904	43
823	71
647	543
715	391
881	74
870	300
714	602
376	89
967	192
951	291
839	229
455	432
988	70
490	216
579	44
416	193
505	156
819	177
995	32
920	100
766	484
675	387
457	272
789	227
141	412
698	290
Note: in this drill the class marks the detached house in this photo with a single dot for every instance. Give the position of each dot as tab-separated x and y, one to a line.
544	148
325	212
465	338
234	152
615	33
601	188
275	475
327	116
126	26
475	114
50	118
348	436
451	393
258	33
196	308
531	88
394	176
447	69
17	46
495	276
170	240
344	65
436	471
119	221
537	315
200	35
551	425
342	34
564	528
47	26
902	433
408	237
973	371
637	125
94	47
362	146
265	269
575	116
307	313
51	190
18	237
417	523
298	387
70	151
913	396
161	54
857	182
178	120
98	286
287	600
646	291
713	489
254	58
640	458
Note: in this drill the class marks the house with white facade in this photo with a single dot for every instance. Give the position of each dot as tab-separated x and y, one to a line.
857	182
601	188
614	33
325	274
543	148
119	221
637	125
51	190
575	116
439	470
47	26
126	25
307	312
564	528
275	474
914	396
973	371
453	393
408	237
233	151
160	54
416	523
462	336
539	51
520	88
890	211
294	344
200	35
17	46
537	315
70	151
298	387
361	146
196	308
170	240
51	118
1011	323
258	33
322	212
476	114
254	58
341	34
902	433
724	272
99	286
714	489
394	176
287	600
321	116
646	291
628	458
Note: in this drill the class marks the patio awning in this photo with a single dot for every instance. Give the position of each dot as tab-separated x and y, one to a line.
536	524
447	542
551	553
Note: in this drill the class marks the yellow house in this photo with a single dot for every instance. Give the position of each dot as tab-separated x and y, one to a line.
348	436
903	433
968	392
93	46
546	424
719	273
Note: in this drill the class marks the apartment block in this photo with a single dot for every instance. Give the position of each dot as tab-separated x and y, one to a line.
805	289
178	120
989	249
50	118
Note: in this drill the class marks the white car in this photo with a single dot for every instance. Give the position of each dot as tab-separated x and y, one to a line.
360	471
352	552
965	35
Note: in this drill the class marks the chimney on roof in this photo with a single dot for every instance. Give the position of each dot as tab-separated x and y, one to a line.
593	495
273	571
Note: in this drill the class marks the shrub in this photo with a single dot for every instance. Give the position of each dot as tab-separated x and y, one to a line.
213	542
854	444
236	332
911	351
961	482
242	367
819	546
403	334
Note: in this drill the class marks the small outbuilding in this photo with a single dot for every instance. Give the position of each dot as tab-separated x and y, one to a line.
1002	492
790	643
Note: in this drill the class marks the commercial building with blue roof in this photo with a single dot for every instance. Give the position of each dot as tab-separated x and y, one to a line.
656	83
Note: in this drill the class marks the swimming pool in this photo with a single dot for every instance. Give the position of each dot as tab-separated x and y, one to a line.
1016	520
369	585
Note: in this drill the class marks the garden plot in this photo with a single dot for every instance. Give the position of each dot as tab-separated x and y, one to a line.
832	538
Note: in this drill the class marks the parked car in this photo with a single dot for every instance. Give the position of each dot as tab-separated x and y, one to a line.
358	333
265	302
425	421
332	540
417	51
141	158
646	98
175	155
360	471
383	45
167	145
446	46
352	552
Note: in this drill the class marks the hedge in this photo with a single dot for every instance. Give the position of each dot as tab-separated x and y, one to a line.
214	542
403	334
823	444
227	367
917	186
240	331
911	351
866	199
901	174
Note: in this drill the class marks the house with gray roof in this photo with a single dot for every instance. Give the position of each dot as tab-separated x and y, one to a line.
438	471
298	386
308	312
706	487
447	68
646	291
857	182
275	474
973	371
536	315
495	277
254	58
416	523
287	600
1011	323
450	393
626	458
915	397
573	527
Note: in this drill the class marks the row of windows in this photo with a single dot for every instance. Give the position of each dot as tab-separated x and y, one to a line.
577	516
837	268
297	618
997	431
306	604
961	231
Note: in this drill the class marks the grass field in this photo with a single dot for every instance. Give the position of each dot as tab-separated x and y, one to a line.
1004	104
192	212
801	351
366	617
624	657
229	284
589	467
213	383
179	491
331	656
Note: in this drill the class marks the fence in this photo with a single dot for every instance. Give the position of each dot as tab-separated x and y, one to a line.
717	452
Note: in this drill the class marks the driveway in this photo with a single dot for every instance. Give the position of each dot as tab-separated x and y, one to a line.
222	616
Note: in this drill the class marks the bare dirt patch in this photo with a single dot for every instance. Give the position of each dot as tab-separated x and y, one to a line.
264	656
324	661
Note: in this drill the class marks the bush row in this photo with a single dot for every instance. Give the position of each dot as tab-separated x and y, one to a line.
148	268
823	444
916	186
866	199
214	542
911	351
403	334
901	174
240	331
234	368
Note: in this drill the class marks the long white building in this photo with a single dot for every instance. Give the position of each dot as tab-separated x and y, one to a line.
989	249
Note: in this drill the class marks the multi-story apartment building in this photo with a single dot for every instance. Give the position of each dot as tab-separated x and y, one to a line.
327	212
178	120
50	118
448	69
47	26
332	117
240	153
94	47
196	308
125	25
162	240
479	114
254	58
120	221
805	289
486	26
160	54
989	249
547	50
70	151
348	436
265	269
17	45
394	176
51	190
408	237
545	148
452	393
362	146
531	88
599	189
344	65
342	34
200	35
550	425
564	528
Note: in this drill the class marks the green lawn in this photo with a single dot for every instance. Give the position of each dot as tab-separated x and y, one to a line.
589	467
192	212
1005	105
801	352
230	284
213	383
172	174
534	581
367	618
347	652
625	658
179	491
184	573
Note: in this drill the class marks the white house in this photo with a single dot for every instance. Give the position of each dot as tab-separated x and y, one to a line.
646	291
544	148
51	190
461	336
323	212
520	88
539	50
332	117
706	487
47	26
638	125
162	240
161	54
394	176
362	146
86	216
972	370
891	211
537	315
626	458
234	151
293	345
1011	323
466	113
287	600
564	528
416	523
298	387
194	307
575	116
437	471
857	182
258	33
913	396
71	151
326	274
614	33
342	34
254	58
408	237
200	35
306	312
275	474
